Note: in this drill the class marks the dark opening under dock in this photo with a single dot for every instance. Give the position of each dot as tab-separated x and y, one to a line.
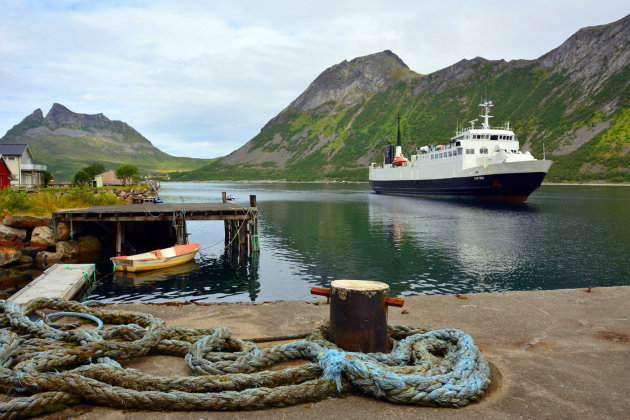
241	222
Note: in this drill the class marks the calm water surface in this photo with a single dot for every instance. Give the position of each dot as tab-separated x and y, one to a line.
310	234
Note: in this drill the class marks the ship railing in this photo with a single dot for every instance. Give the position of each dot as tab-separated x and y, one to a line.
467	129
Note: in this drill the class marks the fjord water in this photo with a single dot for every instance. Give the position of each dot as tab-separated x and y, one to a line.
311	234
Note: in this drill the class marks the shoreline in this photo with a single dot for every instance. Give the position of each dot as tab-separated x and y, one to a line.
280	181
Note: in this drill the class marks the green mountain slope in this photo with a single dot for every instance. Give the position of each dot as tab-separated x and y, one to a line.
572	101
66	141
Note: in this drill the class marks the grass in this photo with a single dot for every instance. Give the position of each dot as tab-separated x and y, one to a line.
45	202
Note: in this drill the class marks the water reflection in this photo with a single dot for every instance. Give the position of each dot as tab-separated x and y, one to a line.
229	277
311	234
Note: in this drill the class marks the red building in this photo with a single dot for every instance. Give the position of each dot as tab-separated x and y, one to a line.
5	174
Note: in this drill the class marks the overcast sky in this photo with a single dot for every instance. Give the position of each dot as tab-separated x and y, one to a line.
201	78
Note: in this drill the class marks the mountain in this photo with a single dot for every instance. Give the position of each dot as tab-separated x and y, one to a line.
66	142
573	102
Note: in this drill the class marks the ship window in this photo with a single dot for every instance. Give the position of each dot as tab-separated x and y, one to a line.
459	151
470	151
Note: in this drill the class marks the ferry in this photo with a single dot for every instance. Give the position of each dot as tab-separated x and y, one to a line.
479	162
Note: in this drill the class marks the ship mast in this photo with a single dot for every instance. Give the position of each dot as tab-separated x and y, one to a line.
486	114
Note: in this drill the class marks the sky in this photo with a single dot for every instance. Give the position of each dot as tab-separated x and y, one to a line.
201	78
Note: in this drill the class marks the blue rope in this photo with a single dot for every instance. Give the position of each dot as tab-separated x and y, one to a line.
55	315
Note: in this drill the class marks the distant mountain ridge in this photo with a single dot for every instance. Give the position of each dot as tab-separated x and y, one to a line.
573	101
67	141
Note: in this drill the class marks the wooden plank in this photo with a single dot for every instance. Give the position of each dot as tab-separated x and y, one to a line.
58	281
155	212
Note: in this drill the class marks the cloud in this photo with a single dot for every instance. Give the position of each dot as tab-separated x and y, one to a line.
201	78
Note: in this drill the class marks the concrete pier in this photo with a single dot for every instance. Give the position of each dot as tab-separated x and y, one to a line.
561	354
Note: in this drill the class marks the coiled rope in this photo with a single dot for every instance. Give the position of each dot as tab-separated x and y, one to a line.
45	369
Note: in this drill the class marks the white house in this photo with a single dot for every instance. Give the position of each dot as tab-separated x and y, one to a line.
19	159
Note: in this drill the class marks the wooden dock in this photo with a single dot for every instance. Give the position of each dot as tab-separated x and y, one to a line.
241	222
65	281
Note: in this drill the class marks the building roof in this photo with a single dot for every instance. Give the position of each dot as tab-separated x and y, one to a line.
13	149
4	165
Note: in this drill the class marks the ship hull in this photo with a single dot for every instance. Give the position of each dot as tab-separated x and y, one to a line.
506	187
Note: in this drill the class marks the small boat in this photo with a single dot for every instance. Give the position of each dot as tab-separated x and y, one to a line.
157	200
230	197
160	258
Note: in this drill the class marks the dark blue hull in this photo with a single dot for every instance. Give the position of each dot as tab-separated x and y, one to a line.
514	187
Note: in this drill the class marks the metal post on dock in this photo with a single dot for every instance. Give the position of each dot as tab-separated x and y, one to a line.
358	314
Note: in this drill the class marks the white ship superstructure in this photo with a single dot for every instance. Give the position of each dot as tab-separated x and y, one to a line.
480	162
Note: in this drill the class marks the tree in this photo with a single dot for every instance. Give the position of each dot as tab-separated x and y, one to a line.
46	177
81	178
94	169
126	172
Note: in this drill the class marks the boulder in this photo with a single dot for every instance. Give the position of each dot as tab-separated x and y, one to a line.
89	245
47	258
11	234
26	260
8	254
63	231
27	222
68	249
43	236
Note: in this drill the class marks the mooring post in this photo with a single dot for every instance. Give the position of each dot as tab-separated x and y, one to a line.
120	237
254	246
180	229
226	225
358	314
242	236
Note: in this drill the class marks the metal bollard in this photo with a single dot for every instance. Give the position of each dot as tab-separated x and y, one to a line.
358	314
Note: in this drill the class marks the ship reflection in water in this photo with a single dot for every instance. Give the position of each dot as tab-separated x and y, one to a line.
458	246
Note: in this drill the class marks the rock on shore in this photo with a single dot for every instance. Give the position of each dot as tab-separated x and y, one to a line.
26	234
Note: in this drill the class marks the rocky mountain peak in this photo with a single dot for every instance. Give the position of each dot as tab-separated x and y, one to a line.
341	82
350	82
37	116
59	115
592	53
